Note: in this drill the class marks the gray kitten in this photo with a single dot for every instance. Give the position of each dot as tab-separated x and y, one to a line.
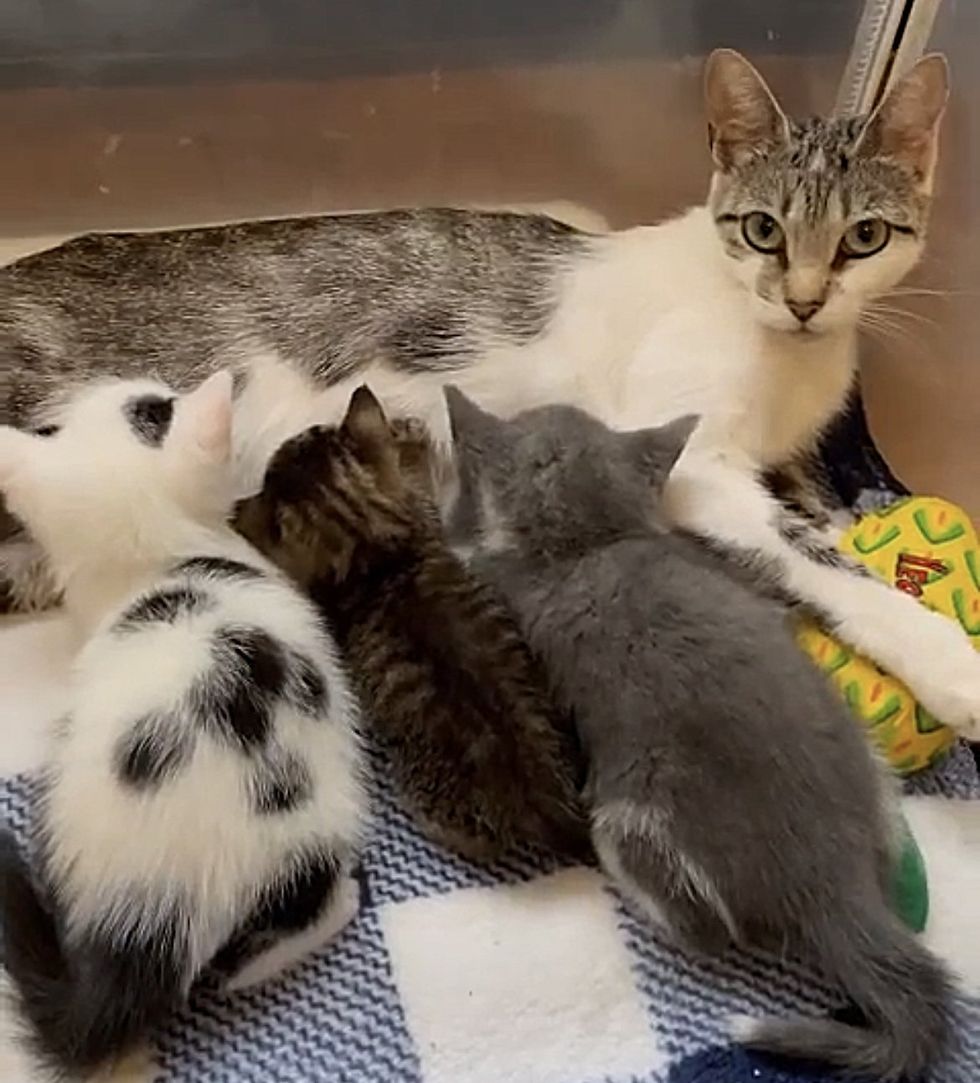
732	796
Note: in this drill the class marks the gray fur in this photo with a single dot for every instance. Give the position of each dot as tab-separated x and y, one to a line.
731	791
420	290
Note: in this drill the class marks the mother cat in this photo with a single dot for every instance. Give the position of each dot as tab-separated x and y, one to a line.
743	311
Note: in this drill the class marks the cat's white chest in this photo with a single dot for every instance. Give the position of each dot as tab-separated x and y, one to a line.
757	395
676	336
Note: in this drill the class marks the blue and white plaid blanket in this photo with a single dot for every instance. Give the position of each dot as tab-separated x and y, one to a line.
521	973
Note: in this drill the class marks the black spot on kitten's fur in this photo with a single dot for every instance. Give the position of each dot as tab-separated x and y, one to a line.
149	417
238	694
306	687
281	783
153	751
220	568
301	895
163	606
296	899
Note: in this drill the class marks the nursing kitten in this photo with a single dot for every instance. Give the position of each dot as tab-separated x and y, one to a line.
477	749
732	796
203	800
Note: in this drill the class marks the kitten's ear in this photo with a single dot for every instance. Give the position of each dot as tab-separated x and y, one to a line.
17	450
659	449
743	116
470	426
365	420
905	126
205	416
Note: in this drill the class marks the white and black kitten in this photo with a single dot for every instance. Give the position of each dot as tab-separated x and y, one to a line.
203	802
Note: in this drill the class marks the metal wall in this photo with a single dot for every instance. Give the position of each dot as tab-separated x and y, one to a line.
140	113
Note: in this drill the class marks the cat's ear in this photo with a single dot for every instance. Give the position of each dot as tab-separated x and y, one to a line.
470	426
204	416
905	126
365	420
17	451
743	116
657	450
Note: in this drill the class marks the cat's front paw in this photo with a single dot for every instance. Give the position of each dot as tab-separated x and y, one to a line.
952	693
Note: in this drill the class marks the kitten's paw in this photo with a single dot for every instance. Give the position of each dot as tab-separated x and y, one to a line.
952	693
287	951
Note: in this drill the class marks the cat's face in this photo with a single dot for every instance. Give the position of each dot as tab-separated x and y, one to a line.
819	218
330	489
117	458
554	479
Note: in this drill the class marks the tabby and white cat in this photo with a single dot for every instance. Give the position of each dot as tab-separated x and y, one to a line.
743	311
203	801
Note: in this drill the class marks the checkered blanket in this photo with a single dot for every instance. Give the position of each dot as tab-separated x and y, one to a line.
522	973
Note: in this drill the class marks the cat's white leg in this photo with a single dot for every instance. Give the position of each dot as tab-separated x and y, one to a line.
288	950
948	835
719	497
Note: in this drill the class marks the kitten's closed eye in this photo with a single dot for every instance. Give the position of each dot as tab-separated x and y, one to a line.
47	430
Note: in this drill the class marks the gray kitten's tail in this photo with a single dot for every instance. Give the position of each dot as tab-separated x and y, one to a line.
901	989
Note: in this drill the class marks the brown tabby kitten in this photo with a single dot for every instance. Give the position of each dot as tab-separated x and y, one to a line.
478	751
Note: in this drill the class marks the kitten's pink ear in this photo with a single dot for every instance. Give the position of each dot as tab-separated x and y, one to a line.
905	126
16	451
743	116
206	414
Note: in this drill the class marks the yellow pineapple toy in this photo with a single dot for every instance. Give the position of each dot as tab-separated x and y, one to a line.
928	548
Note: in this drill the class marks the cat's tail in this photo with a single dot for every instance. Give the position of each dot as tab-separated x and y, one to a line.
903	993
77	1014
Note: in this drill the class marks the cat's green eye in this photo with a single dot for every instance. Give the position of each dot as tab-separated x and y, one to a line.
763	232
864	238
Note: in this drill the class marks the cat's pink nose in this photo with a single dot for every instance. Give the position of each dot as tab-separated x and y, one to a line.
804	310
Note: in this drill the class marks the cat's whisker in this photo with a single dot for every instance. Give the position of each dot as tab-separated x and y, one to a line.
892	312
886	331
917	291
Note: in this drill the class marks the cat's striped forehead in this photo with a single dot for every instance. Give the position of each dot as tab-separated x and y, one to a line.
822	174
